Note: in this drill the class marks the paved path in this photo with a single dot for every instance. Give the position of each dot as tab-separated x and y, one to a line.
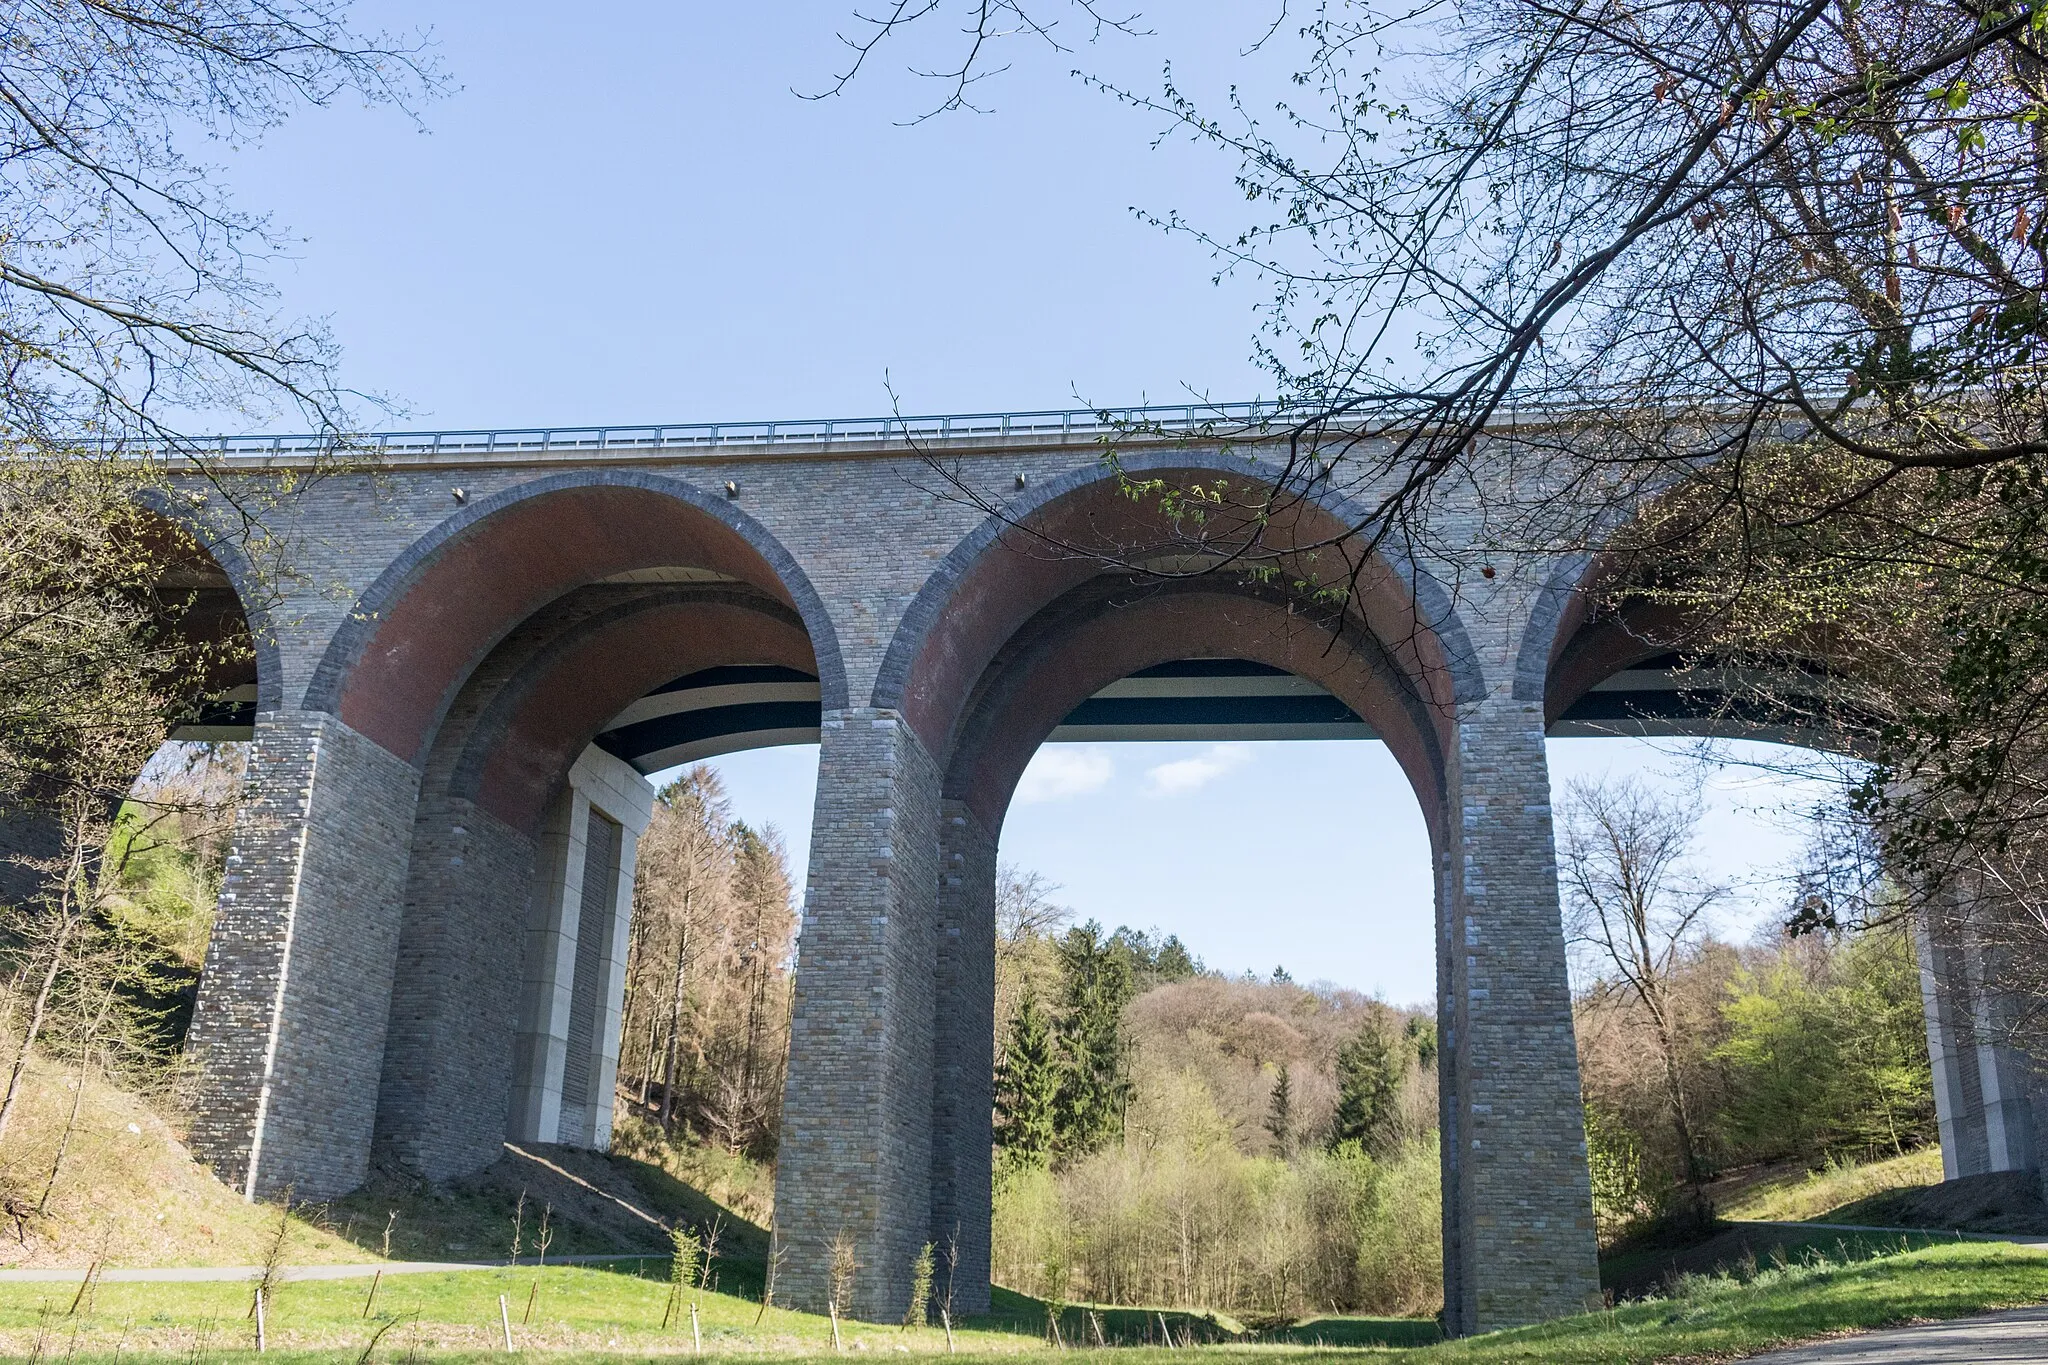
2019	1334
363	1271
2020	1239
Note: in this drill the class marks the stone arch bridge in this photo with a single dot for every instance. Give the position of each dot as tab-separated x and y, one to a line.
488	638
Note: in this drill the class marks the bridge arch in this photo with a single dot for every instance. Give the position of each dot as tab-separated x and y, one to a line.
438	609
1621	667
1010	566
1081	643
462	914
1017	625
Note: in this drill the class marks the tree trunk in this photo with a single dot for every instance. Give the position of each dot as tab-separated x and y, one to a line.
1674	1085
675	1020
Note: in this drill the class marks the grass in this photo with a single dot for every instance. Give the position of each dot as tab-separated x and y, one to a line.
1812	1195
589	1314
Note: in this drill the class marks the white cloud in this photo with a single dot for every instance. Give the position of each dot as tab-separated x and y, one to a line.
1192	774
1059	771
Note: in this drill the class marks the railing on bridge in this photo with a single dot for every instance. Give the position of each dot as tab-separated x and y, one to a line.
1171	419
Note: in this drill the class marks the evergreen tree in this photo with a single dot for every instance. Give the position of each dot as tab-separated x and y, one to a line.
1175	962
1098	983
1280	1115
1422	1037
1028	1087
1368	1081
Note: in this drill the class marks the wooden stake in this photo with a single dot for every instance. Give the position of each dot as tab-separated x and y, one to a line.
505	1321
832	1307
696	1335
1168	1330
531	1295
261	1344
85	1285
371	1301
1096	1323
946	1317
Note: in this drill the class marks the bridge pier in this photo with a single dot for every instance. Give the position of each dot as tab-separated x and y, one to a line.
290	1024
573	987
1519	1236
963	1033
1987	1094
854	1168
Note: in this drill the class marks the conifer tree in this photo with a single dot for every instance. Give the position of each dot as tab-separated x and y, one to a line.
1280	1115
1422	1037
1028	1087
1094	1088
1368	1080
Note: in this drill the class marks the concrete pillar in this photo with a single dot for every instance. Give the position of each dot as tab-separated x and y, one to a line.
1519	1243
290	1024
963	1045
574	982
1983	1087
855	1163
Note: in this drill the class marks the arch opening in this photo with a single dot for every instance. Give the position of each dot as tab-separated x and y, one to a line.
1014	643
480	726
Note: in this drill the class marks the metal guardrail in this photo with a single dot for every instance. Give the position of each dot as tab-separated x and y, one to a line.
1182	417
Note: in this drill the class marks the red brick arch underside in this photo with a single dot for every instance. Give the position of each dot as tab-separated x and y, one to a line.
1029	694
417	635
1013	568
526	741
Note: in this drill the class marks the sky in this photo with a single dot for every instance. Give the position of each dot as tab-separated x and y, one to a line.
626	214
1311	855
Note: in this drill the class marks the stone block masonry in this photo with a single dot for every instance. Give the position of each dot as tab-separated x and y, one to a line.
963	1073
1522	1200
289	1027
855	1163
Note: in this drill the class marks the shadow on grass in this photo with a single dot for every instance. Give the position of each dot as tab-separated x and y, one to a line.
1079	1326
1643	1271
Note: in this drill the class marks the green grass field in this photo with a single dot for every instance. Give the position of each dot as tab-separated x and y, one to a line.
581	1313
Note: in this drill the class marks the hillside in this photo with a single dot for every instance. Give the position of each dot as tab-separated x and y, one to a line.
129	1192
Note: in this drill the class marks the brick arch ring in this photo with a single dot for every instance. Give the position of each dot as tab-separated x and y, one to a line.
437	611
1076	647
977	597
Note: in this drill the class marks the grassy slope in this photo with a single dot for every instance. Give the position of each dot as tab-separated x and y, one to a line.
613	1315
129	1190
131	1193
1801	1196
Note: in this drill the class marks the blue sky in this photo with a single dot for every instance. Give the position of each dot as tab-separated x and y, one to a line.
623	214
1308	855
